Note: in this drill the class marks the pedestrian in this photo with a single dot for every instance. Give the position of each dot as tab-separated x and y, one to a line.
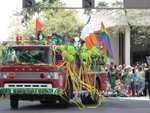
141	77
123	91
133	79
146	85
147	80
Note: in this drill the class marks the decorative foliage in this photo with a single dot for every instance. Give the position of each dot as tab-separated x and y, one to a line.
39	91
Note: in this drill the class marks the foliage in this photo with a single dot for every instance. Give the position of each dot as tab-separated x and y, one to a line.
102	4
140	38
115	4
62	21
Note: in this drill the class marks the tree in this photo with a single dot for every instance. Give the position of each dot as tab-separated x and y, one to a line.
62	21
117	4
102	4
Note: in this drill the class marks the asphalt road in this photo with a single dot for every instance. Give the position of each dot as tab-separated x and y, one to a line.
112	105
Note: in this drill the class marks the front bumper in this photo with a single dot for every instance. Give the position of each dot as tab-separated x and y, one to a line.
32	91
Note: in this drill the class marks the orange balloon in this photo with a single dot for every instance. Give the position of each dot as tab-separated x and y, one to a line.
91	40
88	43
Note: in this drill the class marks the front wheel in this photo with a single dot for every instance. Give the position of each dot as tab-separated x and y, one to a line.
14	102
52	102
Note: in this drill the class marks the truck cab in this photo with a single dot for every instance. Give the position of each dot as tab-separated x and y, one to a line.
32	73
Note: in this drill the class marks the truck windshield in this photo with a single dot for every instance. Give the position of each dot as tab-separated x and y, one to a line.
27	55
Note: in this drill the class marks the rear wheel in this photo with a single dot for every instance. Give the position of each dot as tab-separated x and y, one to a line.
14	102
86	98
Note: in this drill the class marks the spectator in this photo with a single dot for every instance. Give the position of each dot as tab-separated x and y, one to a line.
147	80
141	77
133	79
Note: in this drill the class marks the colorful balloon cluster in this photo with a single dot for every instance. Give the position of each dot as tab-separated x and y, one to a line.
68	52
86	56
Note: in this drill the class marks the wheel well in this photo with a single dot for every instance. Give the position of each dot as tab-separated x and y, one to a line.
69	78
98	82
69	87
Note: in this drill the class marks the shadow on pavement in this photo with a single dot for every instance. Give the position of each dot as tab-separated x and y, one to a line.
45	106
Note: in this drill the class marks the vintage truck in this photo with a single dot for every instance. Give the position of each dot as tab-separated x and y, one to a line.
30	72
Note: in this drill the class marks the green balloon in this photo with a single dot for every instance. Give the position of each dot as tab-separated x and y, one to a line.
84	55
62	48
70	58
84	48
95	51
71	50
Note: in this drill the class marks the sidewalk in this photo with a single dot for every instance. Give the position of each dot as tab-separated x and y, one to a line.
131	98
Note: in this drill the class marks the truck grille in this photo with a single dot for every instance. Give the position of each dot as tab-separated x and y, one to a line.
26	85
27	75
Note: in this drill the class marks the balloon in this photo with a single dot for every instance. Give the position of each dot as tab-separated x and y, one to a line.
71	50
62	48
64	53
84	55
89	52
84	48
70	58
95	51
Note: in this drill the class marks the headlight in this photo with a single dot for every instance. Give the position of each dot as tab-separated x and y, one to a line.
53	75
4	75
56	76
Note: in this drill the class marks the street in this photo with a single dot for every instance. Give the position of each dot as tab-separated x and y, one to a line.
112	105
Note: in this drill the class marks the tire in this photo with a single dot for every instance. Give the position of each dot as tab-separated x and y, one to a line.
47	102
63	103
86	99
43	102
14	102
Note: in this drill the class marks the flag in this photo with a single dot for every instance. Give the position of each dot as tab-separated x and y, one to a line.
38	26
87	29
106	39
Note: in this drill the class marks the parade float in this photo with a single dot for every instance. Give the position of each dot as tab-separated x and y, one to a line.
53	71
